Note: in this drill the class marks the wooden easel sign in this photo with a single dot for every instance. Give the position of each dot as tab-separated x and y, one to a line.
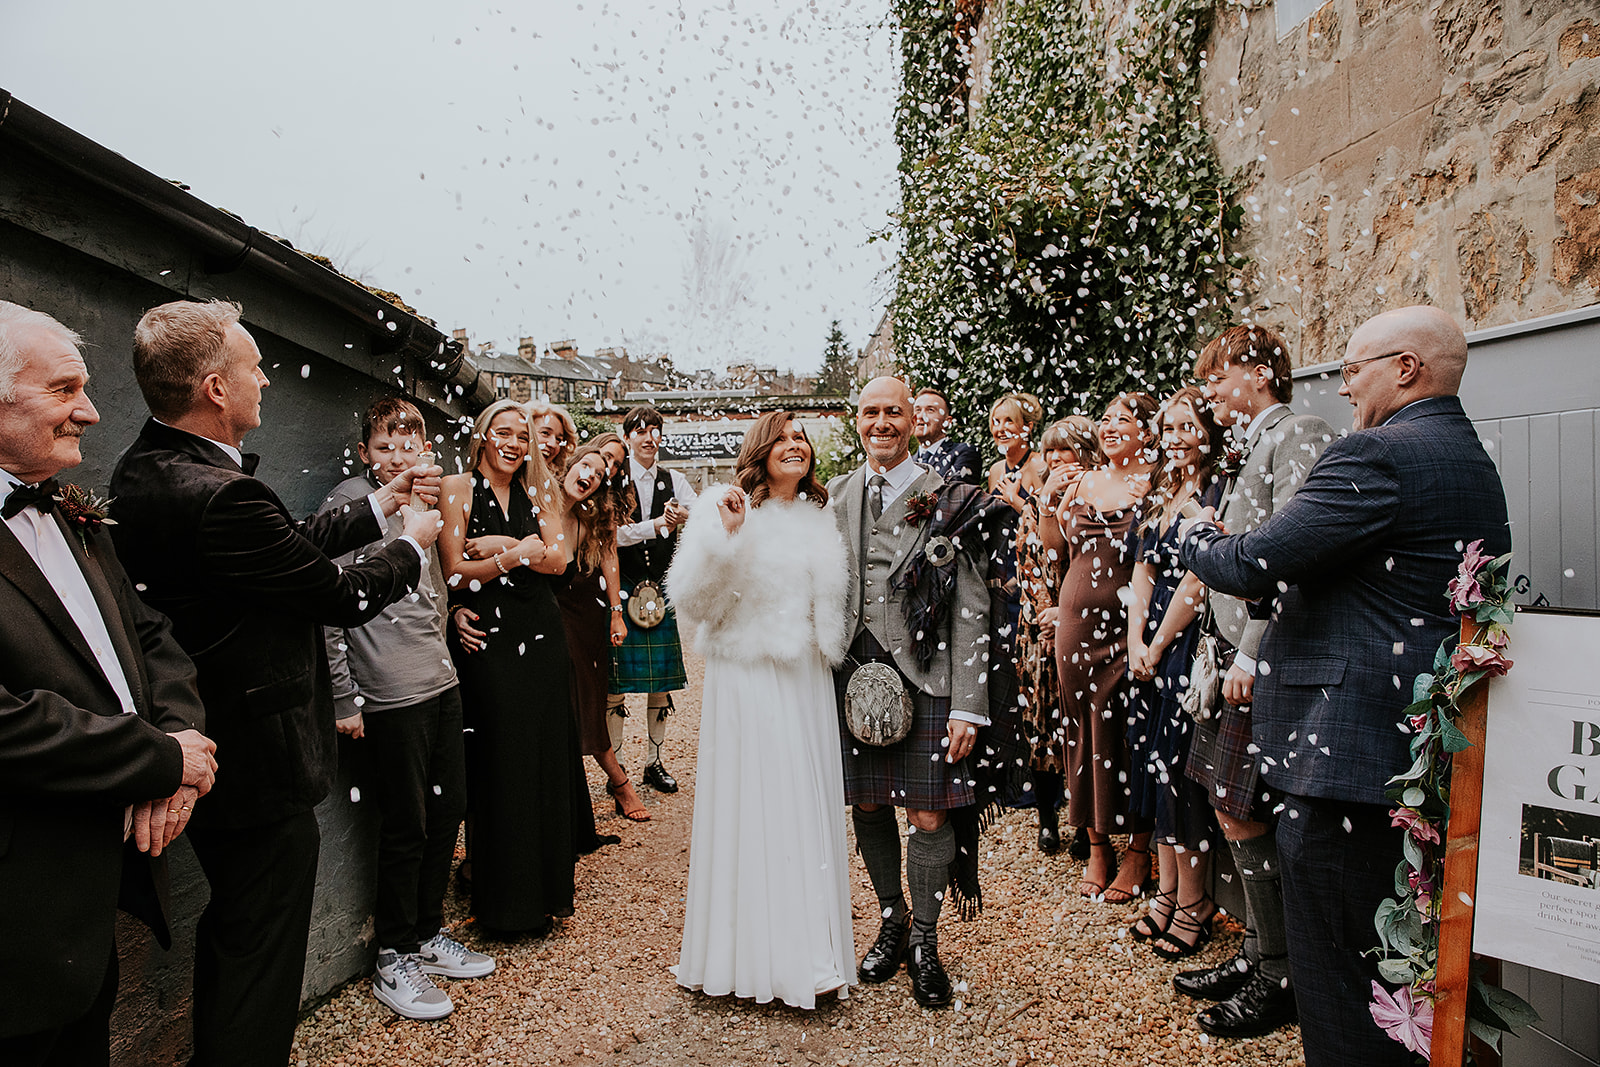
1538	897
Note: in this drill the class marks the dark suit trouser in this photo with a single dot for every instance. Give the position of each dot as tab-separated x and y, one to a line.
1333	881
83	1042
419	781
250	946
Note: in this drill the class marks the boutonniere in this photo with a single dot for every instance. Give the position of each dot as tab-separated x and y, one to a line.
920	507
1232	462
83	511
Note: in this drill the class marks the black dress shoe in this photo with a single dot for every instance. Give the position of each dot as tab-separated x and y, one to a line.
1079	849
929	984
1263	1005
883	958
1215	983
1049	840
656	777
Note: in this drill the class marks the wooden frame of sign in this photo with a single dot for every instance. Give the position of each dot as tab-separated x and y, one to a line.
1452	987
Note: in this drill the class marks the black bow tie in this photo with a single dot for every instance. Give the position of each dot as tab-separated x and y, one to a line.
41	496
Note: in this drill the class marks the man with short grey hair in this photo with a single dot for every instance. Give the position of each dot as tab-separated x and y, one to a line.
248	589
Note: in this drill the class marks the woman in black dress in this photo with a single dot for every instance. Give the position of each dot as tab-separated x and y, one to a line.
599	498
519	728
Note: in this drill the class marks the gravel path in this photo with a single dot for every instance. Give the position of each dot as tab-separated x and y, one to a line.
1046	976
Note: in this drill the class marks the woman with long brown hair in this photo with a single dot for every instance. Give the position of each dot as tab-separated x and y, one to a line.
1070	447
597	498
759	578
1164	604
1091	533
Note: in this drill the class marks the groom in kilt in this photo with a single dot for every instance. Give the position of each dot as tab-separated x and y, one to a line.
883	511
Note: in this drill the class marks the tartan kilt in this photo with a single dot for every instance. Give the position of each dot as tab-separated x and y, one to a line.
649	661
911	773
1221	762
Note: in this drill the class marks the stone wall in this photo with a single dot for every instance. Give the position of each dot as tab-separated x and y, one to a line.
1406	151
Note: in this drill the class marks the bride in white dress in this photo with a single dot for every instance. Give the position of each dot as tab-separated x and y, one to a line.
759	575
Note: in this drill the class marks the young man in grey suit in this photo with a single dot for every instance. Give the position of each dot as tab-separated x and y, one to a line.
1358	560
1247	379
927	772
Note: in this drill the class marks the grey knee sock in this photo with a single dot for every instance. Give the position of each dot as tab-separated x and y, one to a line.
929	854
1257	860
878	841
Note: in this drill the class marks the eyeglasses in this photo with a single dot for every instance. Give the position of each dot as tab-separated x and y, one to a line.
1347	370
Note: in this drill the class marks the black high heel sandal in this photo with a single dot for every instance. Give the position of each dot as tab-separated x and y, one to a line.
1169	946
1149	926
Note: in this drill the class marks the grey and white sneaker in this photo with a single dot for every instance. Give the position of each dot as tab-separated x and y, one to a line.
400	983
444	955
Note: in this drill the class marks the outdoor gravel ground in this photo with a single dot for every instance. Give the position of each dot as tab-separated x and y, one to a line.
1044	976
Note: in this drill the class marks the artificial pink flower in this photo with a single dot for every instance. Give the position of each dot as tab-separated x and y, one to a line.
1404	1018
1413	822
1465	592
1482	657
1422	885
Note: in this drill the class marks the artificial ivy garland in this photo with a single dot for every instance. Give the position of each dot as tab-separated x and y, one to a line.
1408	924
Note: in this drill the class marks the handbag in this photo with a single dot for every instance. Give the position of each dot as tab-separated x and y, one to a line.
647	606
877	708
1203	699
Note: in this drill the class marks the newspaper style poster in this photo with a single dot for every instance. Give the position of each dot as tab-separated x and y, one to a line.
1538	899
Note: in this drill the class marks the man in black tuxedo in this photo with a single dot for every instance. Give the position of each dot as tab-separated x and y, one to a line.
1359	560
954	461
100	749
247	589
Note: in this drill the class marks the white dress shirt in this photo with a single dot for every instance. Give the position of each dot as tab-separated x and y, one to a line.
644	484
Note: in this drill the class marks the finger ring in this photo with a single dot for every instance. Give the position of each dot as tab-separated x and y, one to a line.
184	808
172	811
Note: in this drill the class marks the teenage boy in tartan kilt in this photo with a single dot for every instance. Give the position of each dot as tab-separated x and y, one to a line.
650	659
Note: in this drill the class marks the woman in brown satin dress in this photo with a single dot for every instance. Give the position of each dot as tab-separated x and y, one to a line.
1091	534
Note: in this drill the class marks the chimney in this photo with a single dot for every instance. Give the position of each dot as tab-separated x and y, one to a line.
564	349
525	349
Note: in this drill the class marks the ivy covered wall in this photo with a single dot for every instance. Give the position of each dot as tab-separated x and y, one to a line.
1066	228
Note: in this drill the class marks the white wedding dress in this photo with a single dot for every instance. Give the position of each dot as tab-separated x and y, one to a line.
767	914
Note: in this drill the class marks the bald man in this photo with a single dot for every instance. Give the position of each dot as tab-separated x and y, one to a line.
927	773
1358	560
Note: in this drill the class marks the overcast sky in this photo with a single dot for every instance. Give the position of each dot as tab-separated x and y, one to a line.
699	178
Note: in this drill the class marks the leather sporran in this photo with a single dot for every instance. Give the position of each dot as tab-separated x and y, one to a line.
647	606
1203	699
877	708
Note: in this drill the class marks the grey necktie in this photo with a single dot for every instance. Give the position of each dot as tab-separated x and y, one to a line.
875	487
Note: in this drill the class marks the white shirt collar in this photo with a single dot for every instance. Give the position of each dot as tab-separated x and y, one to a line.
1259	421
902	475
640	471
232	450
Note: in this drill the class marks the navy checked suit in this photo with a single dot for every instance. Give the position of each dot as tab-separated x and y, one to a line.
954	461
1358	559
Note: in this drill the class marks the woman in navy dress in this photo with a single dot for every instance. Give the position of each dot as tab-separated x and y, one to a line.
1165	602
